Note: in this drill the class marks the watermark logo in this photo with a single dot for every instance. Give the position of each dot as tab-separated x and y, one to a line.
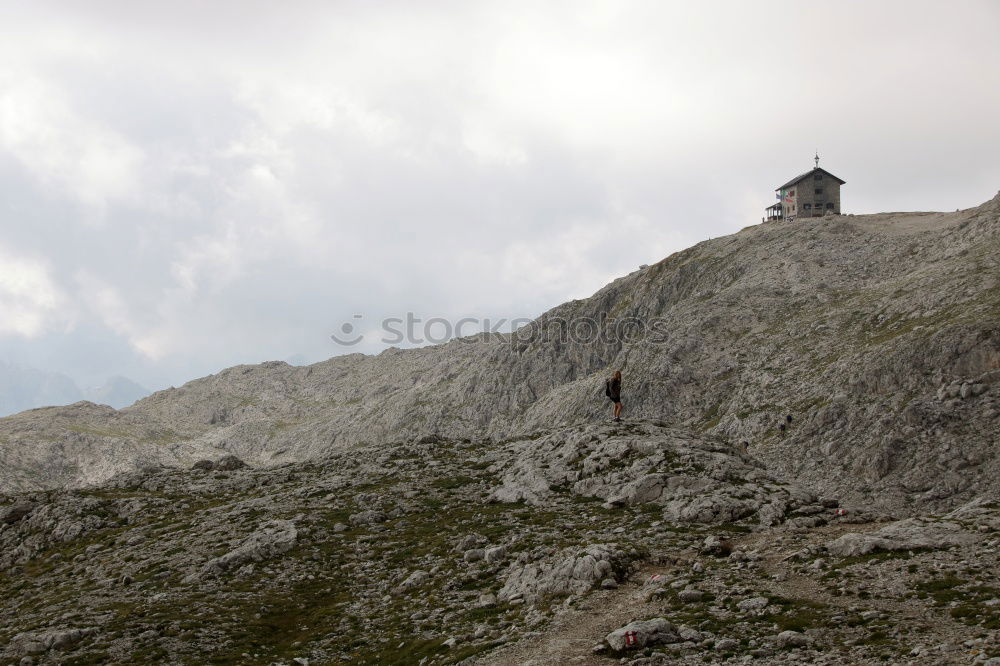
349	334
415	331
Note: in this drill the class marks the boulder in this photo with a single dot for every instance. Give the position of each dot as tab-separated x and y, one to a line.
718	507
12	514
791	639
468	542
908	534
572	571
689	634
37	642
370	517
415	579
713	545
753	604
726	644
645	489
771	513
495	554
642	633
522	484
474	555
229	463
272	539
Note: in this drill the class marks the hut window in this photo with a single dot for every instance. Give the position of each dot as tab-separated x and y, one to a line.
819	190
806	206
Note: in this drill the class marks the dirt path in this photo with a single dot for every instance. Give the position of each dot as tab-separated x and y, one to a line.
570	637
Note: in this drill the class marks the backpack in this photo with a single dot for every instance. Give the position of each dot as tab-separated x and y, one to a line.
607	388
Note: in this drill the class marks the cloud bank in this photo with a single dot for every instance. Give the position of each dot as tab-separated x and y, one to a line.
193	185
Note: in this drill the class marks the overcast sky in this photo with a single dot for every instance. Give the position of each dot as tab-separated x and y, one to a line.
189	185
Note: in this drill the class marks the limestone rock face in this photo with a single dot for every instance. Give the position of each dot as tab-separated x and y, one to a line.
859	355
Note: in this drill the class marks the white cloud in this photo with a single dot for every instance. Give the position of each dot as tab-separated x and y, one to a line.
77	158
30	301
107	303
490	147
284	105
578	261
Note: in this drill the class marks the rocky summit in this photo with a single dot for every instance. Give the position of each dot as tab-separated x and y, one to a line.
807	472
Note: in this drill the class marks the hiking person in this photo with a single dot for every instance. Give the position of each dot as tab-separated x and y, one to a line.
613	389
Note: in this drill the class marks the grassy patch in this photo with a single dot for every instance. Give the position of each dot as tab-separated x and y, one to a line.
797	614
897	325
99	432
711	417
879	556
452	482
486	612
736	528
943	590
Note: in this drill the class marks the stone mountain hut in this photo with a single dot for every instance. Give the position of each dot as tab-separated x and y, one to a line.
812	194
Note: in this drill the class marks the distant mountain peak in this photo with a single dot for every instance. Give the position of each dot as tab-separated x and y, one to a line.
23	387
117	392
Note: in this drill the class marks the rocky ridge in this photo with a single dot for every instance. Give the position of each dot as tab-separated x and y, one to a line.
859	354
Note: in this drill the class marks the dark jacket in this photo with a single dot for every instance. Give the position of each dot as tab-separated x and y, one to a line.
615	390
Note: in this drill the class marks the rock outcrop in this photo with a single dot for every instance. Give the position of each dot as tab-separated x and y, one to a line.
694	478
37	642
572	571
922	533
271	540
909	534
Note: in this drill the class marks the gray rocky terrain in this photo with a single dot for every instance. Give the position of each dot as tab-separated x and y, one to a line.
421	552
876	334
807	473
